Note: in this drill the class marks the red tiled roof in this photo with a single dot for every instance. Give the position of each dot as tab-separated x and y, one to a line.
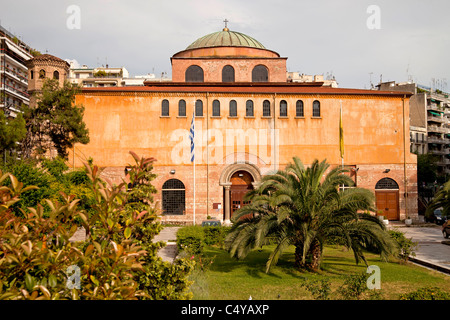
279	88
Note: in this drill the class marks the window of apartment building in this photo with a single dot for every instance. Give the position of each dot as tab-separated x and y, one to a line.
283	108
228	74
249	108
199	108
266	108
316	108
182	108
260	74
165	108
194	74
233	108
299	112
216	108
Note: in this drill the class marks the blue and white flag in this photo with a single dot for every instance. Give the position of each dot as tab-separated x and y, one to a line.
191	136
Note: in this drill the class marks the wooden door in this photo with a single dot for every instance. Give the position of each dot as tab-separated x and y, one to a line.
237	197
387	202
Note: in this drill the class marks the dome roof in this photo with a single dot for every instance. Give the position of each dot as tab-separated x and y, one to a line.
225	38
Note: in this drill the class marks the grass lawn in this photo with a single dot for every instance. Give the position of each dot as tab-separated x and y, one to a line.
230	279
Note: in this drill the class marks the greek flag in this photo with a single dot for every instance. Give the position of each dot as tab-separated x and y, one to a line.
191	136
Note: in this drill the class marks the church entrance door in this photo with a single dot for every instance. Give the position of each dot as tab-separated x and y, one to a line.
241	183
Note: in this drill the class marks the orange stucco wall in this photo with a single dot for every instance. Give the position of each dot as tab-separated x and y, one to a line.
374	139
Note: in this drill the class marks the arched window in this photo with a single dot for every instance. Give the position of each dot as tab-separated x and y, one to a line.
299	112
173	197
233	108
266	108
199	108
165	108
387	183
316	108
283	108
56	75
182	108
42	74
249	109
216	108
194	74
260	74
31	74
228	74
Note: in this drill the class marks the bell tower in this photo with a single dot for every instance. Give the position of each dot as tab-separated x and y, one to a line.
44	67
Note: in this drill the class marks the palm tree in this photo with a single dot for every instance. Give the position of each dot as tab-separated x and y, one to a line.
441	199
304	207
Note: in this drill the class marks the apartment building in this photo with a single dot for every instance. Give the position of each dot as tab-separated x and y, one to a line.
429	121
13	72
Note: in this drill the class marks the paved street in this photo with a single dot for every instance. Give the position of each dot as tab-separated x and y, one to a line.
430	248
169	235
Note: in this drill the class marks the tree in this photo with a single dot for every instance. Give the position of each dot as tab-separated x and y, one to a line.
441	199
56	122
297	207
113	262
11	131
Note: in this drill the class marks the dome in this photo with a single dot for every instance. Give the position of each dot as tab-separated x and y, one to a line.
225	38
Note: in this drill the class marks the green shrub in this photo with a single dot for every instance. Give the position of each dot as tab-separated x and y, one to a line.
215	235
354	286
427	293
113	262
191	239
320	289
406	246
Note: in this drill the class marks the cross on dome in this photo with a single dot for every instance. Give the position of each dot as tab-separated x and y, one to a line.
226	28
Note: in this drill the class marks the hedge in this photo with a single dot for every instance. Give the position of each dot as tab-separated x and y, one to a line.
194	238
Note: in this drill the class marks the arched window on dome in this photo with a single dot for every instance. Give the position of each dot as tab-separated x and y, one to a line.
42	74
56	75
228	74
260	73
194	74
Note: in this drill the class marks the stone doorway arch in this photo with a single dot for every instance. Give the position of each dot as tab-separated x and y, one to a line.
226	181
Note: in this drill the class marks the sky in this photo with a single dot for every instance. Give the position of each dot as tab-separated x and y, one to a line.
359	42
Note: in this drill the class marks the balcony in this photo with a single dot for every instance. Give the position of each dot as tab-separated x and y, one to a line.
437	140
438	152
16	92
433	106
14	75
436	119
437	129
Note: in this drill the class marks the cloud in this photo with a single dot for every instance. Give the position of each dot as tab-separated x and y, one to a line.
317	37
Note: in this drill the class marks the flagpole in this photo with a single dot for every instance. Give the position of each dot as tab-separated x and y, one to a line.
341	139
194	186
191	137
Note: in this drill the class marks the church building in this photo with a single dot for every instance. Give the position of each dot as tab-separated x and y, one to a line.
248	121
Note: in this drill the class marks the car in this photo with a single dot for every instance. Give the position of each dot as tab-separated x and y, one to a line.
446	229
436	217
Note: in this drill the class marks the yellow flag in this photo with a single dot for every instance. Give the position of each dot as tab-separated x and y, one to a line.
341	135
